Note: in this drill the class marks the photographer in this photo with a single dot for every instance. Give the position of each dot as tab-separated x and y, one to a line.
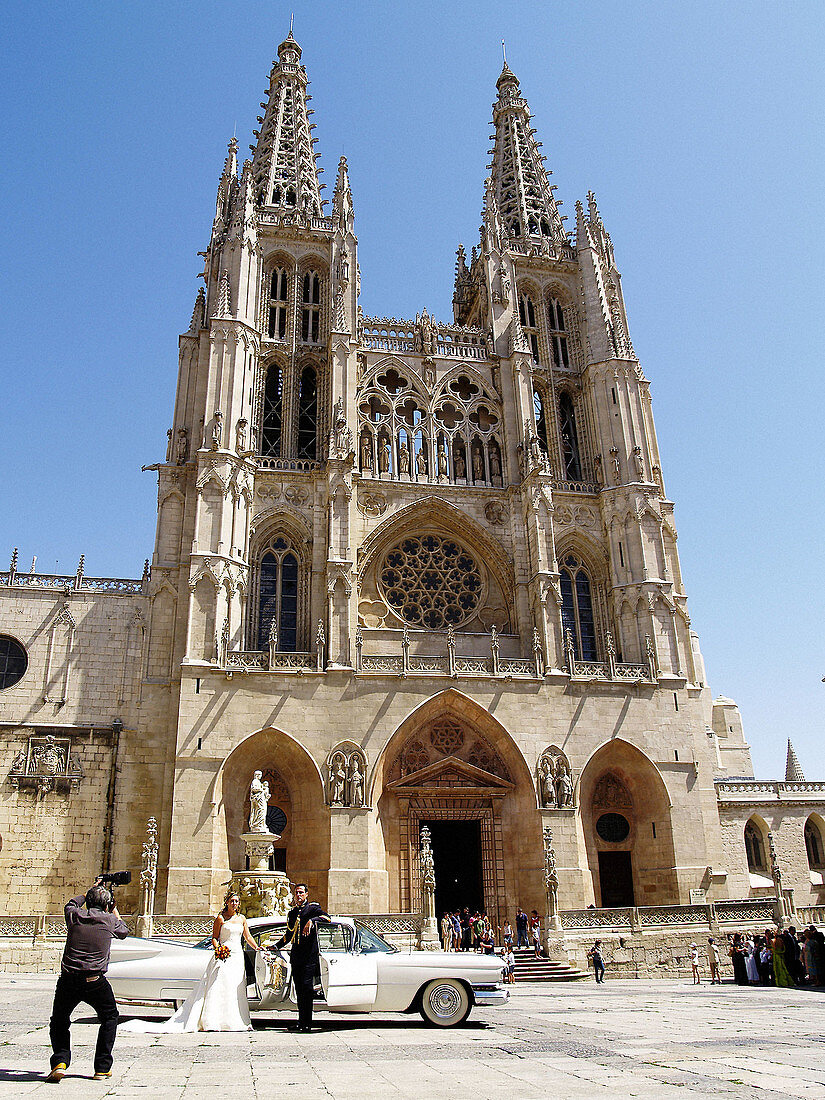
82	977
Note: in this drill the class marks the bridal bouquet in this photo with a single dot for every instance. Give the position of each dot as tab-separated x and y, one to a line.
222	952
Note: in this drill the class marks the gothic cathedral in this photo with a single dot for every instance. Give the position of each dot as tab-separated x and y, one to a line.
414	572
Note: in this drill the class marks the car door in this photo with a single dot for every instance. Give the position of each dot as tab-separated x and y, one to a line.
272	972
349	979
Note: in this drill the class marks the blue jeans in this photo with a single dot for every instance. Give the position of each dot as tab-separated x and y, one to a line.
522	938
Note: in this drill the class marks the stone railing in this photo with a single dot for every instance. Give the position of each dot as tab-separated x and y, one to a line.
575	486
811	914
291	465
462	343
182	927
753	790
297	218
74	583
388	334
611	669
402	930
266	661
451	664
451	341
637	918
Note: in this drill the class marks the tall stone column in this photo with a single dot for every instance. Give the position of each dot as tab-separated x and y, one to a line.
429	925
148	880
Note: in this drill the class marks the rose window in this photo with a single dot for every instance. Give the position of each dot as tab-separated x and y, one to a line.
431	582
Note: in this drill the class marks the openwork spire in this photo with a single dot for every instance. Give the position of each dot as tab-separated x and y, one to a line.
793	772
283	163
523	193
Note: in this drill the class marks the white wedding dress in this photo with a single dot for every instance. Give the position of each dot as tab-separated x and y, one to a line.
218	1002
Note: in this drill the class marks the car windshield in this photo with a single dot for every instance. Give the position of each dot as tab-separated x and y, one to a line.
367	941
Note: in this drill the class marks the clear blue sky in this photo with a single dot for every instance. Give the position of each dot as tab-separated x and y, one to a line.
699	126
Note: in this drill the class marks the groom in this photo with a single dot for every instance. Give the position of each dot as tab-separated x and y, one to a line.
301	933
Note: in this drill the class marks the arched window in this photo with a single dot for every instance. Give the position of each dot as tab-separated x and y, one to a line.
311	308
278	596
308	414
527	316
276	328
755	848
273	412
577	608
558	333
541	420
814	845
569	438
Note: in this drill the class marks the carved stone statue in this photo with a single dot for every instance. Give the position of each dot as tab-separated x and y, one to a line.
421	463
478	464
337	781
459	464
495	464
617	465
442	462
597	466
217	429
638	462
340	435
258	802
429	335
182	446
356	783
384	457
169	445
366	453
548	785
564	785
49	758
240	436
404	459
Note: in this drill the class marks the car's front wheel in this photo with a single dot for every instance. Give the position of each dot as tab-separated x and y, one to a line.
445	1002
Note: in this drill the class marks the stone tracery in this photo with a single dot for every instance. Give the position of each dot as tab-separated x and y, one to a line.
431	582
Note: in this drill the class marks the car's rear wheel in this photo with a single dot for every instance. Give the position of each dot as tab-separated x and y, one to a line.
445	1002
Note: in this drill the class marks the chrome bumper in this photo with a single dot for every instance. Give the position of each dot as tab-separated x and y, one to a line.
487	995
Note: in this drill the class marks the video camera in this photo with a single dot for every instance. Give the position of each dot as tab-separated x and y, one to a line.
116	878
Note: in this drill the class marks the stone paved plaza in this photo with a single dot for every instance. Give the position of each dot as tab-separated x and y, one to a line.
629	1038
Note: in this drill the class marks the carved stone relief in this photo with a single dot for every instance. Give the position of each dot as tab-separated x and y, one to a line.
45	765
611	792
346	776
554	779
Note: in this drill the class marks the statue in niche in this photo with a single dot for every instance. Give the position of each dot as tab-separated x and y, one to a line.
384	457
19	762
478	465
617	465
169	445
340	435
240	436
442	462
495	464
217	430
182	446
366	453
599	470
429	378
356	783
548	783
505	288
258	802
429	335
421	463
638	462
337	781
536	453
564	785
404	459
459	464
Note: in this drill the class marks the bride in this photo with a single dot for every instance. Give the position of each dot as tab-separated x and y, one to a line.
218	1002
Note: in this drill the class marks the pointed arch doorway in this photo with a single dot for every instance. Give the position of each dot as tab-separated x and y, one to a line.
449	777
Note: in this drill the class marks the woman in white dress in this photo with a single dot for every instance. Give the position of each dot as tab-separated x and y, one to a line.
218	1002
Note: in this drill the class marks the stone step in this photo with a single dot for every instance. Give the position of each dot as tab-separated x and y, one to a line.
528	968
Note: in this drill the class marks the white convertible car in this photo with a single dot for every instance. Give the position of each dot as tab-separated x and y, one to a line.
360	972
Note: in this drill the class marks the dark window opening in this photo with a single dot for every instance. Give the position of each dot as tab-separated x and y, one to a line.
569	438
13	662
273	413
278	600
577	610
541	420
308	415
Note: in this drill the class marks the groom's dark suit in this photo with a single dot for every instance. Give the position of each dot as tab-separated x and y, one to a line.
304	955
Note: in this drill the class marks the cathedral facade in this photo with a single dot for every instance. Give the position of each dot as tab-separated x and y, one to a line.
414	572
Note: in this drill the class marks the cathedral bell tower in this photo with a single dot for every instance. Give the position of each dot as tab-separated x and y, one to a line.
266	389
603	582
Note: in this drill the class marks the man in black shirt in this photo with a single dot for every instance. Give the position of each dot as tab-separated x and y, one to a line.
302	934
82	978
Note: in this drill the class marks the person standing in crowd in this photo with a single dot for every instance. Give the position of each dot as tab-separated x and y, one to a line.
714	961
750	961
446	932
694	964
781	970
737	958
766	958
302	933
466	929
488	942
89	934
506	933
597	961
511	965
535	932
521	928
456	922
793	955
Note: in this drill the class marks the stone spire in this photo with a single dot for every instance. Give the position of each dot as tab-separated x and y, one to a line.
283	163
342	207
793	772
524	196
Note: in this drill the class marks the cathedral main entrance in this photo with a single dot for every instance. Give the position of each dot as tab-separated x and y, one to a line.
458	865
